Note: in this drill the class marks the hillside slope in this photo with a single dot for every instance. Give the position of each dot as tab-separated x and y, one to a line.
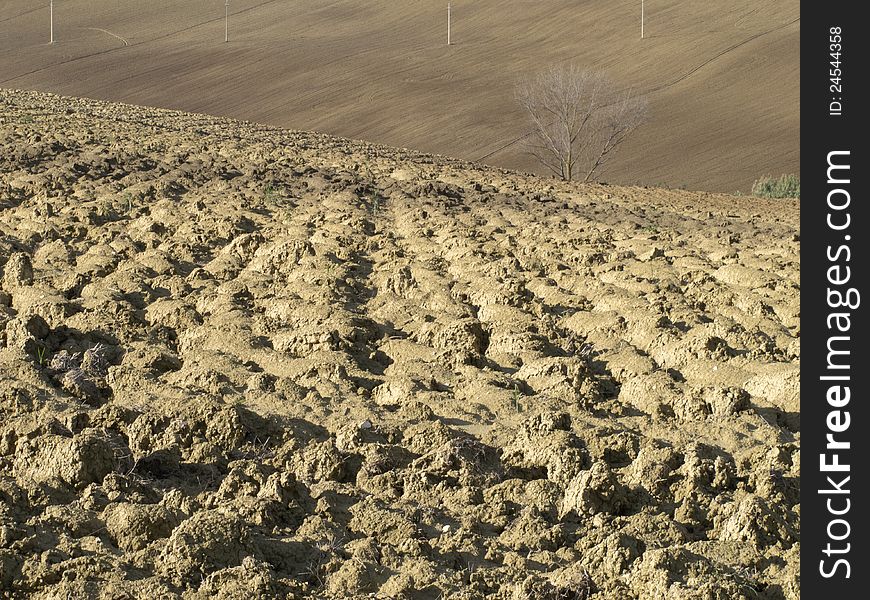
238	360
723	78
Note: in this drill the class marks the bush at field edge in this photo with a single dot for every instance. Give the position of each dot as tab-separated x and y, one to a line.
787	186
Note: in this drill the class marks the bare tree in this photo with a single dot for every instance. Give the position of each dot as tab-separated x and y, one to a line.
579	118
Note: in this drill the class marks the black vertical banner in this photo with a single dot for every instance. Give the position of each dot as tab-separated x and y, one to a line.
835	421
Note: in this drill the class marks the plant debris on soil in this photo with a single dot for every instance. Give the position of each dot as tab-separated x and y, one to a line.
243	362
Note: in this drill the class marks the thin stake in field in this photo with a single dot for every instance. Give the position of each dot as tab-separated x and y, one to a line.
51	21
641	19
227	21
448	23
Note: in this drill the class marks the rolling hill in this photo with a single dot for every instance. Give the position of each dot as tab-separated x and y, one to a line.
722	78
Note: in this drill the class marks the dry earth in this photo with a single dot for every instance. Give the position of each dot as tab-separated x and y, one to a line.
723	77
239	362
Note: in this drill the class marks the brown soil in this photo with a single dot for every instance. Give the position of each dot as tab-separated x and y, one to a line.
722	77
241	362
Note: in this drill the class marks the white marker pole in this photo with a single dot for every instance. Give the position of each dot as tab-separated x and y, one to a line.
641	19
448	23
51	19
227	21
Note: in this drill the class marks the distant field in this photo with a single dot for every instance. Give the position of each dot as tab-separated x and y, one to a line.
723	78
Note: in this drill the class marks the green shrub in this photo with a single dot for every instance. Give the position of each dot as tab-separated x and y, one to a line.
787	186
